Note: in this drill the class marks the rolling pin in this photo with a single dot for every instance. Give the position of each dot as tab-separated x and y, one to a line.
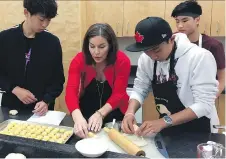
124	143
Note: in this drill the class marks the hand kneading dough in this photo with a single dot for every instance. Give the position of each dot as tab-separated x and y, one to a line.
15	156
135	127
13	112
139	141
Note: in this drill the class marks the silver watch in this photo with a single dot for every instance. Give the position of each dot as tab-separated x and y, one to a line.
168	120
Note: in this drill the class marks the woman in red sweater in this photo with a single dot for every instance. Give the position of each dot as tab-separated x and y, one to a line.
97	82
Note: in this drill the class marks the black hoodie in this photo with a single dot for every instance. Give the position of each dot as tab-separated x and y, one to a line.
44	75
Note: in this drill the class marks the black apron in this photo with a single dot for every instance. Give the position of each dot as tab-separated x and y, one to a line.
89	102
167	101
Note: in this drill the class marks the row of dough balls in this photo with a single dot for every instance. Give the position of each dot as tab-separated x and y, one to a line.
37	132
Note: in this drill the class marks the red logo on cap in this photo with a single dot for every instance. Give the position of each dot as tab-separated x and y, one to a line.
139	38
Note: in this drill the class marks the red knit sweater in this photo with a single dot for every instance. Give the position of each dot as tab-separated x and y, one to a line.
119	97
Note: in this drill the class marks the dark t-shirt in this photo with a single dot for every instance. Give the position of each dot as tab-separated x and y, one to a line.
28	50
216	48
28	43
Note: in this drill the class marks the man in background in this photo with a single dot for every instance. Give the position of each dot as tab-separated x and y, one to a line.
31	69
187	16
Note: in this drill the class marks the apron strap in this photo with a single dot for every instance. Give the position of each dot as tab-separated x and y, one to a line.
172	63
154	74
200	40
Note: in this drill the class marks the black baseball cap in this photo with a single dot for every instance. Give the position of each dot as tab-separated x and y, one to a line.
149	33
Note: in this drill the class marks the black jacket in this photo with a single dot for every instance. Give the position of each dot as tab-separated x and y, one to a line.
44	75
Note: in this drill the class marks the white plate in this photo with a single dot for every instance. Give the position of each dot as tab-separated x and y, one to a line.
91	147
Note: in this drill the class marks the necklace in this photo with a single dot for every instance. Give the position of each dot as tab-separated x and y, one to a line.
100	92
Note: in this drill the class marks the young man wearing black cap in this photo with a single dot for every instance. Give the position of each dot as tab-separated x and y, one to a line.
187	16
31	69
182	77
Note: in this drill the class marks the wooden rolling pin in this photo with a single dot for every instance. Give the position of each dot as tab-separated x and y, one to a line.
124	143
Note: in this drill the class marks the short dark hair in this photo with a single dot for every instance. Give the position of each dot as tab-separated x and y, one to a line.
47	8
106	31
187	8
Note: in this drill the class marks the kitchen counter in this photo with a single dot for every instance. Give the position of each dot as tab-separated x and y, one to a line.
178	146
184	145
40	149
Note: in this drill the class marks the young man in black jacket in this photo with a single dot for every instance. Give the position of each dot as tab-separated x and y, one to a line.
31	69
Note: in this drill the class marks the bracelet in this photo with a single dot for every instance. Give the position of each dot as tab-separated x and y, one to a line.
129	114
100	114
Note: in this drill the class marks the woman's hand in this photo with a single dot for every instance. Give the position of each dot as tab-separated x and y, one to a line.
80	126
95	122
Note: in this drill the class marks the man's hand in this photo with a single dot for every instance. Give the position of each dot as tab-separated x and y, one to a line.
150	127
24	95
128	123
41	108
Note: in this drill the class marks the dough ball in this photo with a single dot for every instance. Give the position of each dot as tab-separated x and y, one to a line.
47	130
68	133
22	133
31	126
60	141
52	133
13	112
15	156
16	132
62	130
38	132
10	126
50	128
44	127
44	133
29	135
58	135
53	137
33	131
52	140
45	138
33	136
56	130
39	137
